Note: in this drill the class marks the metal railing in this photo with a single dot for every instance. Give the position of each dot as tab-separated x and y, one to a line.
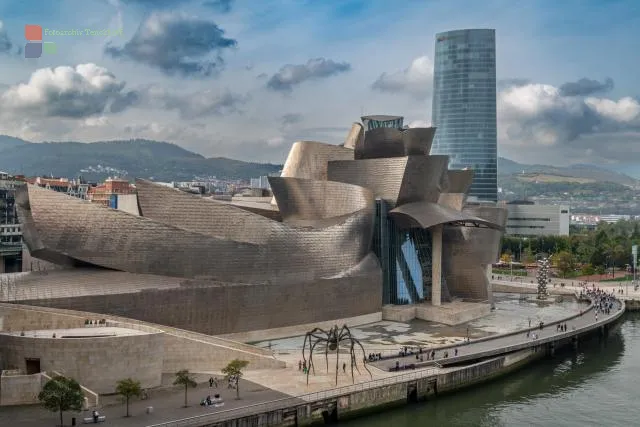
292	402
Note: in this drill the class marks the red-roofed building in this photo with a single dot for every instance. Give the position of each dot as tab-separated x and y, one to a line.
107	194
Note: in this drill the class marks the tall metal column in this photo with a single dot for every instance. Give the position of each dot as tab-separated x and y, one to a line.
436	265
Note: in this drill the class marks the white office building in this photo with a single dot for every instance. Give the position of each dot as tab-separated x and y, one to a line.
528	219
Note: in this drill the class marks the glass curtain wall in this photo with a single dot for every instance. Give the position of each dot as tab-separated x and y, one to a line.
405	258
464	106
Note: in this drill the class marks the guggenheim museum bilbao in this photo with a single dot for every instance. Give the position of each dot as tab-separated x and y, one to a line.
374	222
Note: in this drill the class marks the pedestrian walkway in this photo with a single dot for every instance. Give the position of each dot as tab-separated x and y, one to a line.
507	342
167	405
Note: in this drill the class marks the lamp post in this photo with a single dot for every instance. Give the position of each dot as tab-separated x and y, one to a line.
511	269
634	253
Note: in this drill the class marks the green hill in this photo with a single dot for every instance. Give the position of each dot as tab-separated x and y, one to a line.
136	158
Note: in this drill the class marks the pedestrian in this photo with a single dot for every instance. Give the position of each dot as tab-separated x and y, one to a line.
210	382
344	368
455	352
299	365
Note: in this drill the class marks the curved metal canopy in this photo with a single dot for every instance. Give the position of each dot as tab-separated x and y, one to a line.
427	215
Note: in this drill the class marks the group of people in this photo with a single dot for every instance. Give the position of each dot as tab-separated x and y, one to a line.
603	301
302	366
373	357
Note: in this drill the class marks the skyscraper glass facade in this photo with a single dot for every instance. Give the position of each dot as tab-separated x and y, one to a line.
464	106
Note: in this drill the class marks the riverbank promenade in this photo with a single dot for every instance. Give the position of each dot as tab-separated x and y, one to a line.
489	357
277	397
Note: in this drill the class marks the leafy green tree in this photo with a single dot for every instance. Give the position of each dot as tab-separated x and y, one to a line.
61	394
234	370
587	270
186	379
128	388
527	256
565	262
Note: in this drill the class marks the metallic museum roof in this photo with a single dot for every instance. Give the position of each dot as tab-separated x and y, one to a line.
319	225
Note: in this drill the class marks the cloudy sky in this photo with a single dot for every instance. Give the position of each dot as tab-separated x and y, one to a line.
244	79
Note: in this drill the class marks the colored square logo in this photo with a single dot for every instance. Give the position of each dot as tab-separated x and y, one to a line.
33	32
33	50
49	48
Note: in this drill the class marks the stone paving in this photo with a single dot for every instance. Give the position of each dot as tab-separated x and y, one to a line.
266	385
388	337
475	347
167	405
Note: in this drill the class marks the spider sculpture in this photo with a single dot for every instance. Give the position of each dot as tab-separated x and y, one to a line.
332	340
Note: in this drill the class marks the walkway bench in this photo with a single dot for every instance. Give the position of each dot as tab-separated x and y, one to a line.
89	420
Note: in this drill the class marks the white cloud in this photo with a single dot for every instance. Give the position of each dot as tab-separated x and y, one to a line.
416	80
625	110
568	126
419	124
80	91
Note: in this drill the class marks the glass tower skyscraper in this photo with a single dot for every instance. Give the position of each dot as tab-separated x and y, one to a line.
464	106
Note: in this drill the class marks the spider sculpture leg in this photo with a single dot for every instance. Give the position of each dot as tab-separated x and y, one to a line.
337	359
345	336
318	339
326	353
311	361
304	346
361	347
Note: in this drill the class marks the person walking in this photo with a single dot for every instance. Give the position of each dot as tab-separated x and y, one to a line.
211	382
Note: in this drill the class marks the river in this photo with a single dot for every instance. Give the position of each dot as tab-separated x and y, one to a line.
599	385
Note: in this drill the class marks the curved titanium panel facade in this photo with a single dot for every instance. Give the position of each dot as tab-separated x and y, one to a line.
205	216
417	141
427	215
464	105
486	241
355	136
309	159
391	142
459	180
113	239
458	183
308	200
397	180
468	251
380	143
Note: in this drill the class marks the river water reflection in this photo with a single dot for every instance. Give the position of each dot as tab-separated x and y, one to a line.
596	386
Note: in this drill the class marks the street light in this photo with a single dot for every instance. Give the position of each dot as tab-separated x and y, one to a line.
511	265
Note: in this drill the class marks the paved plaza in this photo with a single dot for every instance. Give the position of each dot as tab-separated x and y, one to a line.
513	312
167	405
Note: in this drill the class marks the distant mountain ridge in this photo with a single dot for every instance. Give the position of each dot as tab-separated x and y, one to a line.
137	158
163	161
596	173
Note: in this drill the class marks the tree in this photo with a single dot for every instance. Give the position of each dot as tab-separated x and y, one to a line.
128	388
234	370
505	258
186	379
527	256
565	262
61	394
